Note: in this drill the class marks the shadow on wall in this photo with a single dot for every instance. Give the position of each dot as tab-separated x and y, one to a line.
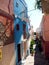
39	58
9	40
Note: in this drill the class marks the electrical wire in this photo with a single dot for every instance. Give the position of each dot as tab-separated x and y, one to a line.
31	10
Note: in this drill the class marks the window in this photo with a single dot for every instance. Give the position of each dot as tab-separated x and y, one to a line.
19	52
16	4
17	27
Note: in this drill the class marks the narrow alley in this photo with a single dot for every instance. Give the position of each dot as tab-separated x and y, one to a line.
37	59
24	32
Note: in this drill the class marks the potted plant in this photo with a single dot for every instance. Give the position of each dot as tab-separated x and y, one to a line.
32	52
31	47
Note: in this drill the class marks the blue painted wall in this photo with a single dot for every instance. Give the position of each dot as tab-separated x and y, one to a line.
18	10
18	33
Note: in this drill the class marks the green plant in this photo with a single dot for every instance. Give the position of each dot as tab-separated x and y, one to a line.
32	42
38	4
31	45
32	52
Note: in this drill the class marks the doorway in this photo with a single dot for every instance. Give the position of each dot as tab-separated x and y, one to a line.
19	52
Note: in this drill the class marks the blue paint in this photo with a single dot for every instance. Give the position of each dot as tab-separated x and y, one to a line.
19	12
21	7
18	33
24	3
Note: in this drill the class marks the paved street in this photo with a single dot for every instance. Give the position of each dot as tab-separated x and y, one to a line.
29	60
36	59
8	53
9	57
